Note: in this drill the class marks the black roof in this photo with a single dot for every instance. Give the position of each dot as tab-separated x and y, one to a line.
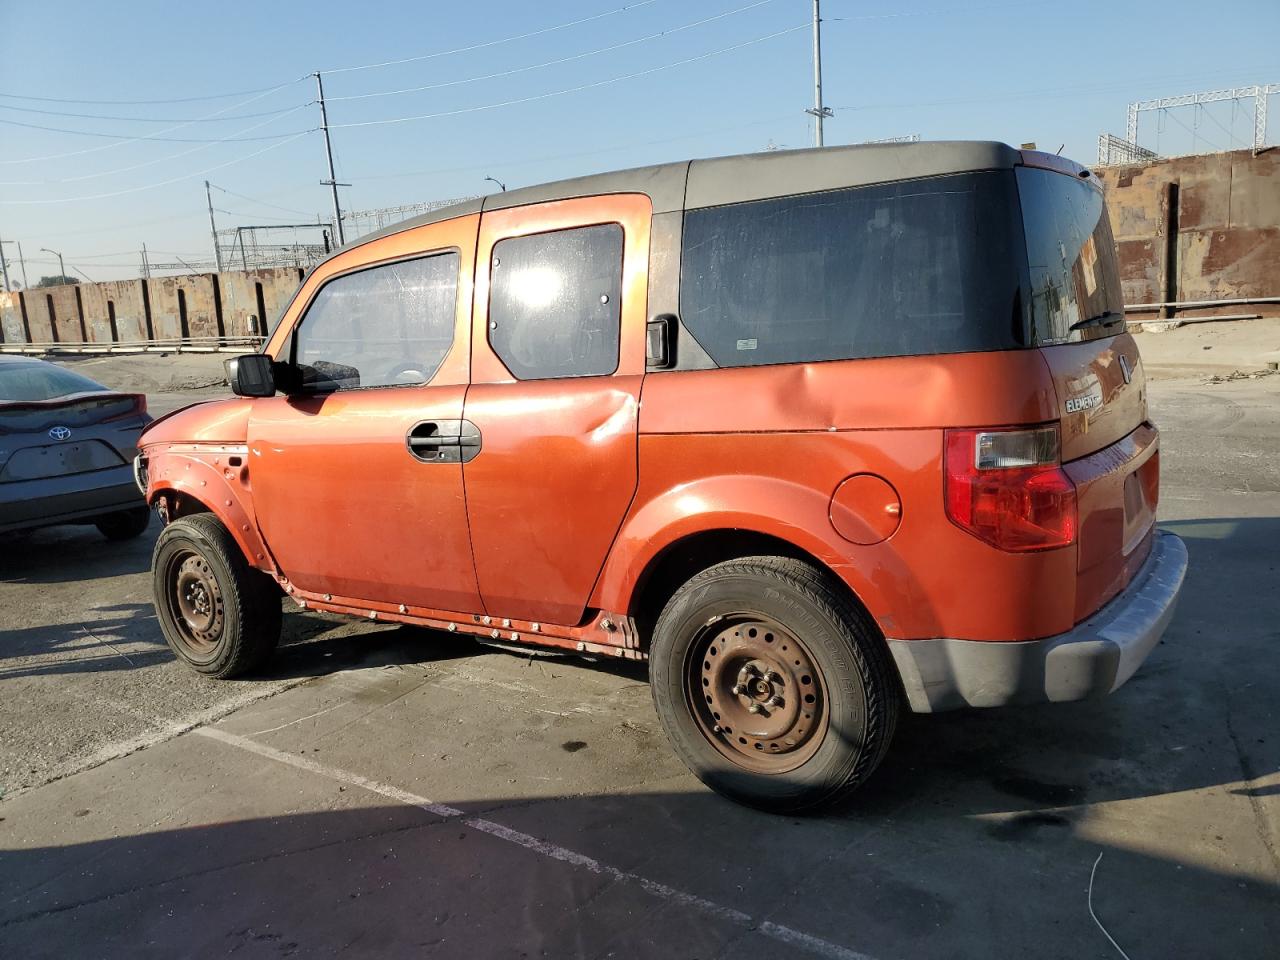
689	184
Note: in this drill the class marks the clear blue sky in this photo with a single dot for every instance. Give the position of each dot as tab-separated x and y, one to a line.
1055	73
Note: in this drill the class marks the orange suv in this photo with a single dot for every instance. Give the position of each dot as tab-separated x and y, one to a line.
820	434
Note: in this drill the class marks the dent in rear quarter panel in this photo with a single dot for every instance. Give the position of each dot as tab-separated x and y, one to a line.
764	449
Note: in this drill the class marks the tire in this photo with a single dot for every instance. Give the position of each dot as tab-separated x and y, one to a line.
219	615
124	525
779	634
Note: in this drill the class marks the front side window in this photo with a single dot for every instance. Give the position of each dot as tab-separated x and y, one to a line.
889	270
390	325
555	302
1075	276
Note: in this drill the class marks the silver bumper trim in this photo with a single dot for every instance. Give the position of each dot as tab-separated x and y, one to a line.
1089	661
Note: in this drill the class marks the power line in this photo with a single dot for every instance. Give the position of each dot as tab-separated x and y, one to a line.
230	138
585	86
264	203
553	63
114	228
158	135
100	116
528	161
934	13
157	139
135	103
162	183
1195	134
493	43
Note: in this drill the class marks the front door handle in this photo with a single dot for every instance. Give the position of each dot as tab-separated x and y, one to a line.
444	441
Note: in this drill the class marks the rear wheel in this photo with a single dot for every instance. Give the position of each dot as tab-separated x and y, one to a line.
219	615
124	525
773	685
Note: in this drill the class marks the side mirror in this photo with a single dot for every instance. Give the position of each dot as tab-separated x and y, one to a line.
251	375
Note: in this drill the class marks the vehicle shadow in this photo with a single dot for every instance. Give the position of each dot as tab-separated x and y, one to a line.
657	875
71	553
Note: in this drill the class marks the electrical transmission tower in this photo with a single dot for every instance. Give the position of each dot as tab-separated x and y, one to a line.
1257	93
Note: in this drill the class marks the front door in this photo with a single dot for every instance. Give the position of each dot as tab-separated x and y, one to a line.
357	480
558	360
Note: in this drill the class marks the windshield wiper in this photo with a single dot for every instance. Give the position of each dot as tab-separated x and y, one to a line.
1102	320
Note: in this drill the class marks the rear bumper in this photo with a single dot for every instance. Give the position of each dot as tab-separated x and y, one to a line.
1089	661
74	498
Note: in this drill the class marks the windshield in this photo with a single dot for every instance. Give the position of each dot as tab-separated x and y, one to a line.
24	382
1075	277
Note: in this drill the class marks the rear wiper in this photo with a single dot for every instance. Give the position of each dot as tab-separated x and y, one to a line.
1102	320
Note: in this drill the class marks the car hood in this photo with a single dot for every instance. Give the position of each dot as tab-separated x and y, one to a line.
208	421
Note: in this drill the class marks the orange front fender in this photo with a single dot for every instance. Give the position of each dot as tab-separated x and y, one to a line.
213	477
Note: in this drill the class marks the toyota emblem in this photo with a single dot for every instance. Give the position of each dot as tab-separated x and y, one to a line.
60	432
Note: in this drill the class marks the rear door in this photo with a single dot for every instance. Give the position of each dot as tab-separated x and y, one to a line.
356	476
558	360
1109	449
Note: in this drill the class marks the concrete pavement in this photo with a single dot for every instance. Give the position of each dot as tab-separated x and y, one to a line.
427	797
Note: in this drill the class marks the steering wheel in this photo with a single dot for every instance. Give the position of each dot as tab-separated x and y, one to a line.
407	373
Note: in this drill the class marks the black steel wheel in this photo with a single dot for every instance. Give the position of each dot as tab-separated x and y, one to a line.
773	685
219	615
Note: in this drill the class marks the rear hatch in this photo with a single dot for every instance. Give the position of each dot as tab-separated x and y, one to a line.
1109	449
66	435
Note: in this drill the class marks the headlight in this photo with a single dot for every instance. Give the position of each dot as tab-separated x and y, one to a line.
140	473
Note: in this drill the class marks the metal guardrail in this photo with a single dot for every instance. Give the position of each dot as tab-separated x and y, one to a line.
244	344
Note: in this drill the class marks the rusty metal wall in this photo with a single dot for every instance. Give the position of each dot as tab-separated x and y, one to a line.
1227	221
215	305
122	296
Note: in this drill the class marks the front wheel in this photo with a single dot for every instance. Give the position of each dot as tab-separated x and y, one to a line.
219	615
773	686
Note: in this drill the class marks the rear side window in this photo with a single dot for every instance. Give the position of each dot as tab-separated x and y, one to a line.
23	381
386	326
914	267
555	302
1071	253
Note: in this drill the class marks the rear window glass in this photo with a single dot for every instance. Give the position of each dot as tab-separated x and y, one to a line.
39	381
1071	253
900	269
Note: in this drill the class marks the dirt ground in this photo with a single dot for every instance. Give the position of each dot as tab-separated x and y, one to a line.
384	790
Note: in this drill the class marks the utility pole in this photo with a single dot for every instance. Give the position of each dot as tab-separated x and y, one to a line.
22	262
146	268
818	111
213	230
4	266
332	183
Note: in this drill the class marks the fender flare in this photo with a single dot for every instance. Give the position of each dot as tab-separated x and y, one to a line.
209	479
793	513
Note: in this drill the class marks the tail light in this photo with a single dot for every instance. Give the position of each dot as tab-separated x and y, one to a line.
137	410
1008	488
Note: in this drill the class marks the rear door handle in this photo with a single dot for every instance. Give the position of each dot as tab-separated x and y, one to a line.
444	441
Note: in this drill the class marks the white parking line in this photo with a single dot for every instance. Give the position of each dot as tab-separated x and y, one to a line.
794	938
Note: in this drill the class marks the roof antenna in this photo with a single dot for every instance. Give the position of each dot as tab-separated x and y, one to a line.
1059	153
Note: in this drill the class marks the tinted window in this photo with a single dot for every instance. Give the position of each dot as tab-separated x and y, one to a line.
385	326
554	302
41	381
1071	254
915	267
